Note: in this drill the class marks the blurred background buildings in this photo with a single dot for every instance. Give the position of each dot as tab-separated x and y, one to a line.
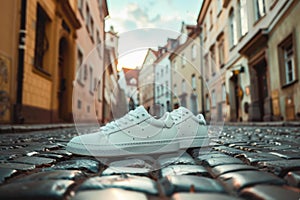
239	62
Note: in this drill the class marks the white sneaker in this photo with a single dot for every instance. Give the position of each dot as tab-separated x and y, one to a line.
135	133
192	130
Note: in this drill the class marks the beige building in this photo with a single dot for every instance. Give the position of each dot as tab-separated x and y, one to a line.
88	87
41	59
146	80
186	72
235	38
283	56
110	77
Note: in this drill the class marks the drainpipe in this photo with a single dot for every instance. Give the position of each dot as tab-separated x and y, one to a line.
202	75
18	118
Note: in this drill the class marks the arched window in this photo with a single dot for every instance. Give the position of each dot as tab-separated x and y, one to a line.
133	81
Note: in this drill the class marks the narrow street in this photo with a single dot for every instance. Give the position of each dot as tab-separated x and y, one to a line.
239	163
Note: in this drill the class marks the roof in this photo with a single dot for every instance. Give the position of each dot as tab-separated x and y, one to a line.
130	74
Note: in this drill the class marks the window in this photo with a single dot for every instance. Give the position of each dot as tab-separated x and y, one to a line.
219	6
80	6
95	84
98	39
175	65
260	9
99	91
85	72
158	92
87	16
78	64
175	90
167	89
211	19
194	52
206	67
89	22
287	61
183	60
162	73
207	102
133	81
79	104
162	89
91	80
243	17
213	98
204	31
223	92
213	60
183	87
232	26
167	69
41	40
221	52
194	82
91	28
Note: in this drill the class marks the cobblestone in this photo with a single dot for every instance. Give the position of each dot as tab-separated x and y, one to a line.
238	163
186	183
112	193
129	182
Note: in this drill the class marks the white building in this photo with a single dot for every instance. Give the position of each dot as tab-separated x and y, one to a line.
163	73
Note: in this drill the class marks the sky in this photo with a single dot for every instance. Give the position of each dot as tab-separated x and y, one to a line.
137	20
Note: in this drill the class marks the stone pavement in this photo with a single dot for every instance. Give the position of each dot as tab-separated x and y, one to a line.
238	163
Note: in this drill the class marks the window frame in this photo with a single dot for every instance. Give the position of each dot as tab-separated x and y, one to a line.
232	28
257	10
80	66
42	42
288	41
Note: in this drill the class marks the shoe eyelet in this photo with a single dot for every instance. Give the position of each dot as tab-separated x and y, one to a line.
137	117
143	115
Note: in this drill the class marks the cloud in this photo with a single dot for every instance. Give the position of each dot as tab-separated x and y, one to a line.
133	16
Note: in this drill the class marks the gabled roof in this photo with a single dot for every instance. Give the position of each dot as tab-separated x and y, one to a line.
130	74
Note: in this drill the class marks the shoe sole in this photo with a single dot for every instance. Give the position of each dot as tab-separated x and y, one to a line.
128	149
138	148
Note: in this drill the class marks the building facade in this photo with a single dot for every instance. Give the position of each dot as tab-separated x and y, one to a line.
111	103
186	72
132	88
88	89
283	58
162	78
40	58
146	80
235	37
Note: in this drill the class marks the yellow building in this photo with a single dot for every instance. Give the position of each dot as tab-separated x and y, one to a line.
40	67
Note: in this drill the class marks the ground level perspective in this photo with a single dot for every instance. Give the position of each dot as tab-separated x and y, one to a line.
238	162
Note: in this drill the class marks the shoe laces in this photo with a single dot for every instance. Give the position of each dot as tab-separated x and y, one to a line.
128	118
178	114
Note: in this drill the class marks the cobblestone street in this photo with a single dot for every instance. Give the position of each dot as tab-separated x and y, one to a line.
239	163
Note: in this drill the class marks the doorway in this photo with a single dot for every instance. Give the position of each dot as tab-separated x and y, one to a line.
234	98
62	84
262	86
